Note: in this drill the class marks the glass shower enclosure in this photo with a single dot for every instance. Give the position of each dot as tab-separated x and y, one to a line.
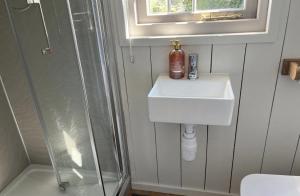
69	59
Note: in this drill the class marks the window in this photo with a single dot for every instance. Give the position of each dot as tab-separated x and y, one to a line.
165	18
190	6
156	11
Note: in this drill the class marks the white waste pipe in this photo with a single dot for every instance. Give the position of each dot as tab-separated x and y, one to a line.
189	143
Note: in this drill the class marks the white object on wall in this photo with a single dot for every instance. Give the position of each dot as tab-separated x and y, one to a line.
270	185
210	98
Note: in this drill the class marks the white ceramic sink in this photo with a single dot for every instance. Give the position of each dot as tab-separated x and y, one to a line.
209	100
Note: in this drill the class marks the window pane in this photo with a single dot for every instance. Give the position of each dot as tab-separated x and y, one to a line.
181	5
158	6
219	4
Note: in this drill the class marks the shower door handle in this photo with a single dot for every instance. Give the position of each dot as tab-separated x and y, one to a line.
48	49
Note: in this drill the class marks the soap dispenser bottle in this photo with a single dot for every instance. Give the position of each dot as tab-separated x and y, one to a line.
176	61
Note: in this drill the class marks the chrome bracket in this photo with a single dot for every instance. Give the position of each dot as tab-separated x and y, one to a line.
63	186
47	50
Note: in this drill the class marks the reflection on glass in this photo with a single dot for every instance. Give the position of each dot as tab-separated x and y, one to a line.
158	6
181	6
77	173
219	4
72	150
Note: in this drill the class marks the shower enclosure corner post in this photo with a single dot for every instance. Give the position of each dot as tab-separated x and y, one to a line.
109	36
87	116
104	29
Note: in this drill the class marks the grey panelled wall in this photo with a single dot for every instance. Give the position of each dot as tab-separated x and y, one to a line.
252	144
12	72
13	157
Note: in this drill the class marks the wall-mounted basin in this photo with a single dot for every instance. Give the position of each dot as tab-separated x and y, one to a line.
209	100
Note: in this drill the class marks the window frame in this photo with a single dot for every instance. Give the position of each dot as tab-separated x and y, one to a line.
137	29
277	12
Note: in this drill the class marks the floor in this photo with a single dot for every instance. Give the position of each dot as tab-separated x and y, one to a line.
40	180
148	193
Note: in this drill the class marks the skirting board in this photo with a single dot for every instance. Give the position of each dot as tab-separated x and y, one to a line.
176	190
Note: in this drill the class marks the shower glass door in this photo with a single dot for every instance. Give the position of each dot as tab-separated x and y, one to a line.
70	65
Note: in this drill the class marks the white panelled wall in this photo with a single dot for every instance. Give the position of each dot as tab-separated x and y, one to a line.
263	137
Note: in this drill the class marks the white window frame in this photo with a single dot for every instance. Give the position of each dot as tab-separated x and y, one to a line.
146	35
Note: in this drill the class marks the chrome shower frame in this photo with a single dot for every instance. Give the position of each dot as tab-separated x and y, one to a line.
104	29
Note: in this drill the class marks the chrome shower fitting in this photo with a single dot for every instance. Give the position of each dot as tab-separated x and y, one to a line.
47	50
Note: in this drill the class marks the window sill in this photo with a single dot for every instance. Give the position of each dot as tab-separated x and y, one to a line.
228	38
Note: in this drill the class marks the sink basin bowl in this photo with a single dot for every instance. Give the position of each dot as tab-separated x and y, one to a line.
209	100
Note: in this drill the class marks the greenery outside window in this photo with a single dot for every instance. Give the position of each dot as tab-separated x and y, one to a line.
162	11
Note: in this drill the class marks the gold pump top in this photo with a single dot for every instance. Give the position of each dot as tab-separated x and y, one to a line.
176	44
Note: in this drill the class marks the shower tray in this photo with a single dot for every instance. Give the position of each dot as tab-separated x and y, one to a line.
41	180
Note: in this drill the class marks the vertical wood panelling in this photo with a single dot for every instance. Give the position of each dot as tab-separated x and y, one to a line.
167	135
284	128
262	64
259	81
138	80
159	61
237	150
168	154
285	125
295	170
253	114
193	173
226	59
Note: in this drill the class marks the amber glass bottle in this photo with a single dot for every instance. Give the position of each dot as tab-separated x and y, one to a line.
176	61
